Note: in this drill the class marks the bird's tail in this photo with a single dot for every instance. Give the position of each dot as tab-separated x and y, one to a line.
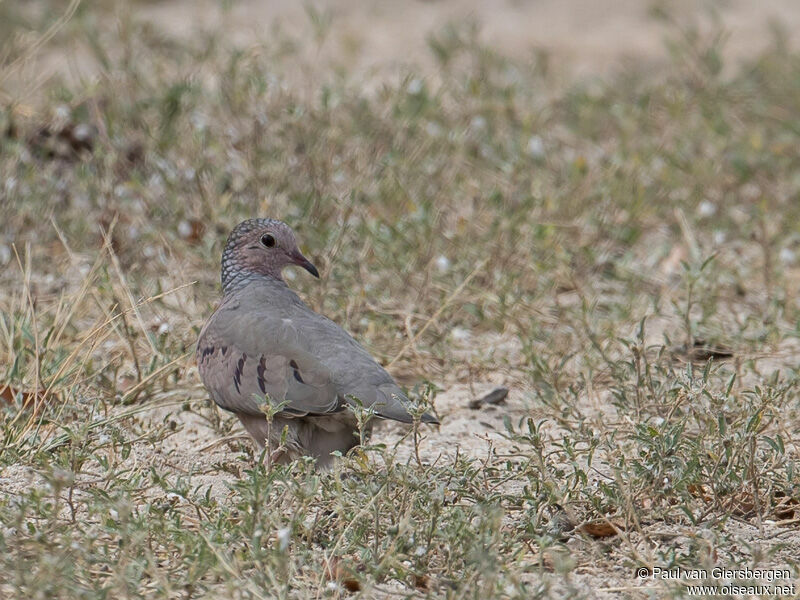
392	403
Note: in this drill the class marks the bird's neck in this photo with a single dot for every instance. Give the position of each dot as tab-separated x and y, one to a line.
236	280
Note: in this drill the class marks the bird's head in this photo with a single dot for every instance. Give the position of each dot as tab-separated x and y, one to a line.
262	247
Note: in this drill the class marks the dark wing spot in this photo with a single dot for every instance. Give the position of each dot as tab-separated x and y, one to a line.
237	373
205	352
224	350
262	383
296	371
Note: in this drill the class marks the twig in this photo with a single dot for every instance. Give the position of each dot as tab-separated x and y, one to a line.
438	312
46	37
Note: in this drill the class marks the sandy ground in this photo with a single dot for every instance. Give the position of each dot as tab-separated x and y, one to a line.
580	37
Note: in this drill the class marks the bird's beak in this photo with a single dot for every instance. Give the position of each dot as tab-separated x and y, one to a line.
302	261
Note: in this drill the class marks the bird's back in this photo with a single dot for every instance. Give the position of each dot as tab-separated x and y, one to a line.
265	315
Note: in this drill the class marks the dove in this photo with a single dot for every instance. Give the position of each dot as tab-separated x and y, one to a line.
264	344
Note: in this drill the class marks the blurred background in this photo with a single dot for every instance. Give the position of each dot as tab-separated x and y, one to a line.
577	37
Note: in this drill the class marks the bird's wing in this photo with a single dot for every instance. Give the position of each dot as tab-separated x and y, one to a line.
270	322
355	372
244	359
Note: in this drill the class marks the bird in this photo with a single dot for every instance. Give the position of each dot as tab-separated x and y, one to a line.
264	344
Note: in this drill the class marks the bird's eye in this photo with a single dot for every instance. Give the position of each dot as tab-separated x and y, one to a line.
268	240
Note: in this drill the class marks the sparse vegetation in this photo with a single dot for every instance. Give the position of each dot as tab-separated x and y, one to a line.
622	255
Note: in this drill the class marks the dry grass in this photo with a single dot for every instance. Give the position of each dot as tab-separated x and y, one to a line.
623	257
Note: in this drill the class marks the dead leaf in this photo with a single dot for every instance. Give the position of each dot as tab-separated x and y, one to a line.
421	582
11	395
191	230
698	491
342	572
601	528
701	352
783	507
496	396
786	507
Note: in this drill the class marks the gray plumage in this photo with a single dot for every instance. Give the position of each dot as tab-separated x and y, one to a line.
264	342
